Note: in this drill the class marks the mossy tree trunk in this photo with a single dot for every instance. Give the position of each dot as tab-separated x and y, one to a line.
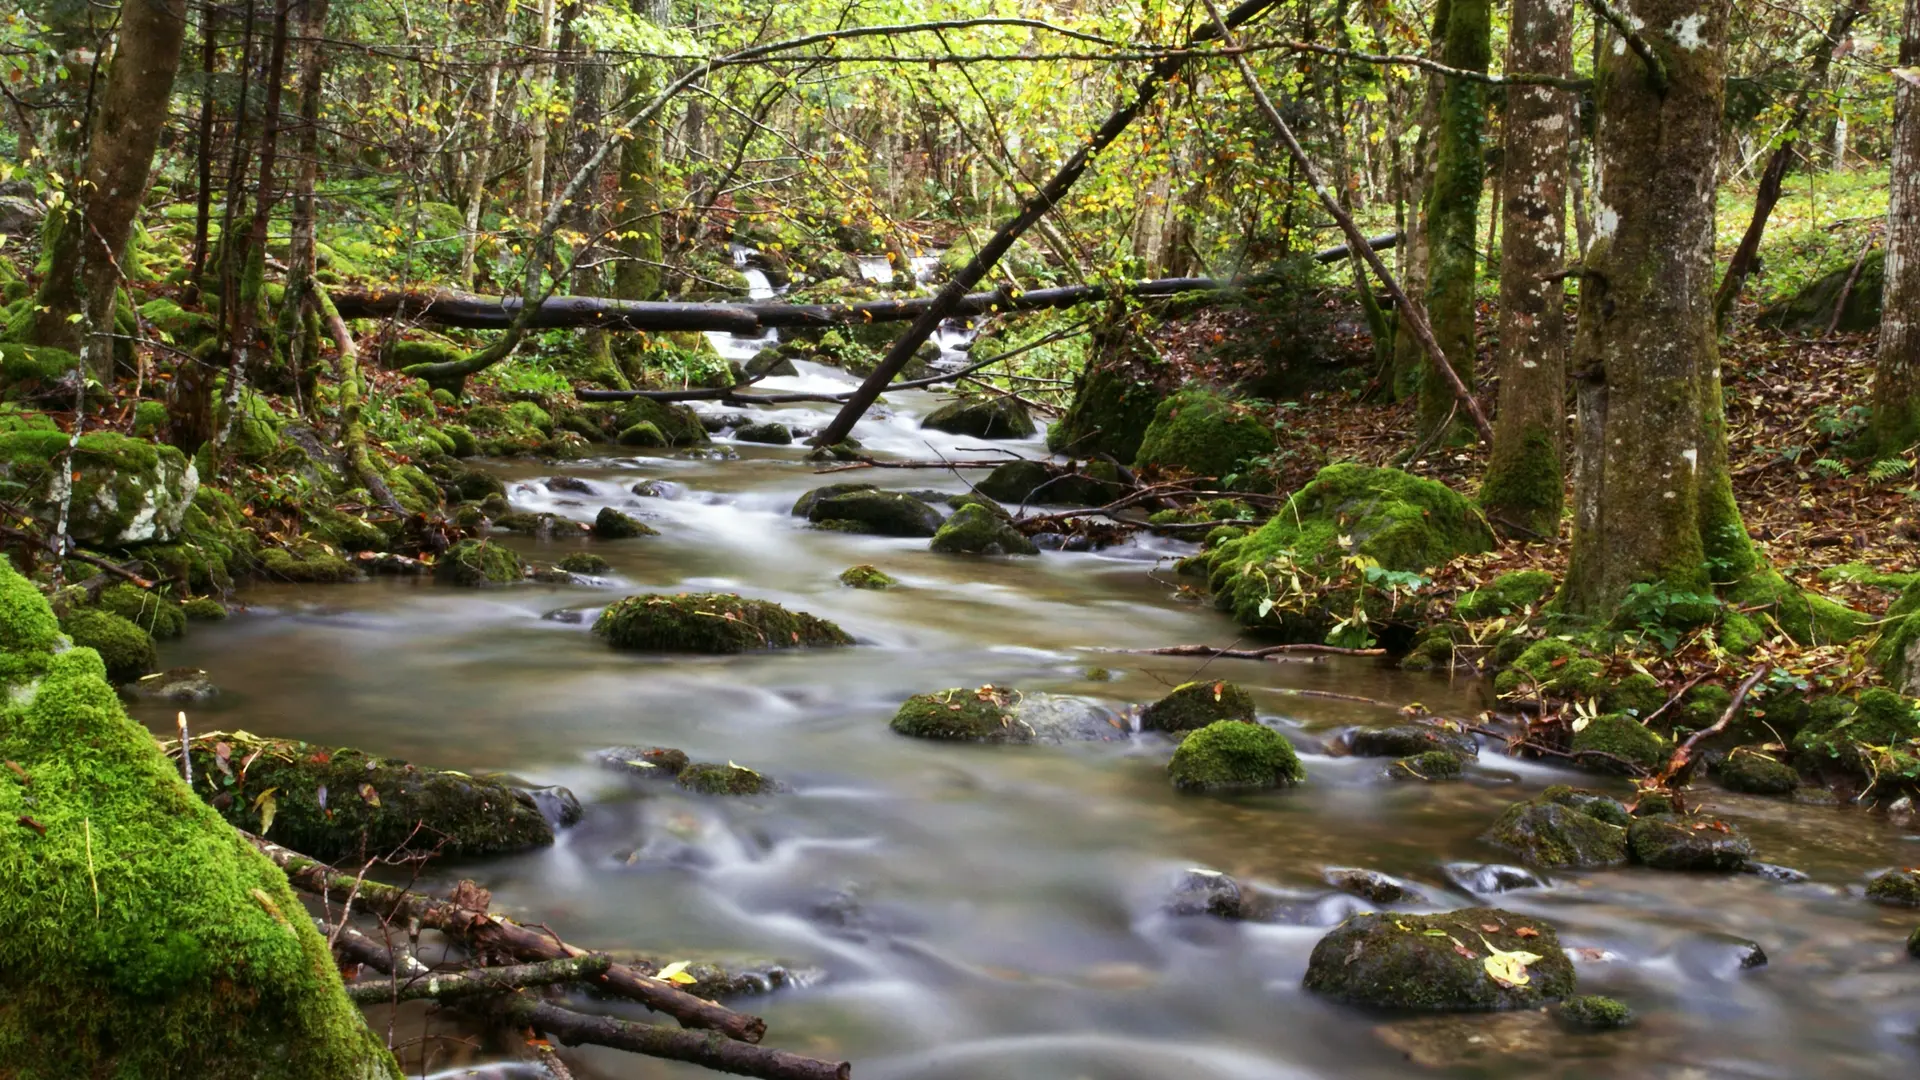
637	275
1453	211
1522	491
1408	354
76	298
299	314
1896	374
1652	498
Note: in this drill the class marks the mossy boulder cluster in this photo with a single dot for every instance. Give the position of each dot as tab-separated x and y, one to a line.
476	563
719	623
1574	830
977	529
139	935
1394	521
124	490
1234	755
998	714
1472	960
338	804
1192	706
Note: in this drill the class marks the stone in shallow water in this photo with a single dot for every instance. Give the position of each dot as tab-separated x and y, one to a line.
184	685
1372	885
1549	833
1483	879
1896	888
1409	740
1719	956
1439	962
560	806
1004	715
652	762
1785	875
1665	842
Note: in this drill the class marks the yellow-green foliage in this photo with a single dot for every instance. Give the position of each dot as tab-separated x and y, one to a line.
139	935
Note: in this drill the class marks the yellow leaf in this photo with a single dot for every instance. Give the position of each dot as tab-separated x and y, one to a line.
266	808
676	972
1507	968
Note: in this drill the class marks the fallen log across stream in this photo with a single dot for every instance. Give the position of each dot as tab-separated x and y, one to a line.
746	318
729	1043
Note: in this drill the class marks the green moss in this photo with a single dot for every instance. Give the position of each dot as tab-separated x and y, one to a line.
1701	706
461	439
1194	705
611	524
1739	634
150	420
711	623
34	366
1204	433
643	434
704	778
989	418
1548	832
1667	842
880	513
1405	961
1621	736
1506	594
1635	693
585	562
1234	754
1113	404
125	649
128	491
1432	765
307	561
157	615
677	424
1913	944
1897	888
1401	523
1881	722
1749	770
473	563
1595	1013
865	577
402	355
204	609
975	530
1806	617
139	936
1045	484
961	715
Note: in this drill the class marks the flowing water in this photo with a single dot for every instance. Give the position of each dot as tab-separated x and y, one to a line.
959	911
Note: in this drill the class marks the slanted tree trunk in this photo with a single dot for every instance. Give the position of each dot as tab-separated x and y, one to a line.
1896	374
1775	173
1522	491
1453	212
1652	499
74	307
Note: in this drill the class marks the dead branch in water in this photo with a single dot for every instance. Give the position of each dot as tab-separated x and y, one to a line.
450	986
1267	653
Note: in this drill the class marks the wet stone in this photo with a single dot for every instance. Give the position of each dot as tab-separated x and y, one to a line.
557	804
1483	879
1785	875
658	489
652	762
1719	957
569	483
182	685
1402	961
1666	842
1372	885
1409	740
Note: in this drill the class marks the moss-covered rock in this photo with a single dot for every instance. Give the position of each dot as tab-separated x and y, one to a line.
975	530
705	778
204	609
1203	432
124	490
986	418
1857	740
866	577
1401	523
1913	944
476	563
308	561
711	623
1434	765
1408	740
139	936
769	433
1754	772
1002	715
343	803
150	420
1504	595
1671	842
585	562
878	513
1896	888
1114	397
1192	706
1810	309
611	524
1440	962
1046	484
151	612
1547	831
125	649
1591	1012
1625	742
1234	755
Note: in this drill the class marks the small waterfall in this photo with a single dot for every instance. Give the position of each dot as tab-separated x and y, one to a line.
875	268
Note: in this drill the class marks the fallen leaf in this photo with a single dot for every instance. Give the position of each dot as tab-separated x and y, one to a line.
1526	932
676	972
32	824
371	796
266	807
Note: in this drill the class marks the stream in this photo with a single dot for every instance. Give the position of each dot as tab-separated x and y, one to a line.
960	911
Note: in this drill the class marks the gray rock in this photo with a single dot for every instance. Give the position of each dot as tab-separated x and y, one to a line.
1485	879
558	805
1373	886
1409	740
184	685
769	433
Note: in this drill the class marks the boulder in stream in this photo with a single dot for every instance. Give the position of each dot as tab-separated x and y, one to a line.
988	418
585	562
1471	960
139	937
1431	767
707	778
651	762
1234	755
1373	886
975	530
1003	715
1591	1012
477	563
711	623
866	576
877	513
770	433
183	685
1192	706
1899	887
338	804
1557	830
1202	432
1752	771
1409	740
611	524
1047	484
1671	842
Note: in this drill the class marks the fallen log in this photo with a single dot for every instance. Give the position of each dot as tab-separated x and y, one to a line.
722	1055
449	986
486	934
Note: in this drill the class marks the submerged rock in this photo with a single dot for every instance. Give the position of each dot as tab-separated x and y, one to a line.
1002	715
1667	842
865	576
585	562
337	804
706	778
770	433
1409	740
611	524
185	685
711	623
1233	755
1374	886
475	563
975	530
1896	888
1592	1012
1192	706
991	418
1483	879
879	513
1442	962
1432	766
1555	830
652	762
1206	892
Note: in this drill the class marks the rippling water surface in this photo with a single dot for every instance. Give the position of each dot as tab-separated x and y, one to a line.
970	911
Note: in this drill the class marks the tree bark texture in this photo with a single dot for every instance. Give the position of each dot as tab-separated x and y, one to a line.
1408	353
1453	211
76	298
1524	486
1896	374
1653	502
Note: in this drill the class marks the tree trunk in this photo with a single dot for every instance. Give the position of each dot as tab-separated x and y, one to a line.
74	307
542	99
637	211
1896	375
1522	491
1768	195
254	254
299	315
1408	353
203	148
477	180
1652	498
1453	212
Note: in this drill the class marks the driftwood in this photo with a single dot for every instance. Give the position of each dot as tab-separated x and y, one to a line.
1683	754
449	986
484	933
721	1055
1266	653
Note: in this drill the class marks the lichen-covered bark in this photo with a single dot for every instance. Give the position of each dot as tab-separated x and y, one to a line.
1522	491
1408	354
1453	211
1653	502
1896	375
76	297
